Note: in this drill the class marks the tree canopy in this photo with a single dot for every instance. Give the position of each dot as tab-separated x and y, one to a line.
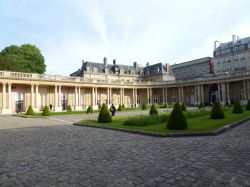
26	58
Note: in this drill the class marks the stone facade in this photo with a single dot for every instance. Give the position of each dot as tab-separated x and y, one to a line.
96	83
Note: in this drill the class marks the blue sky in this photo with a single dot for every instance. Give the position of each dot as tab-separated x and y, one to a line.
68	31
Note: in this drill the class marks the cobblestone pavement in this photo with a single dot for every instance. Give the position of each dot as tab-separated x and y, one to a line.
56	153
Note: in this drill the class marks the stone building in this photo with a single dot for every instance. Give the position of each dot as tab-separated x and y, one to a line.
206	79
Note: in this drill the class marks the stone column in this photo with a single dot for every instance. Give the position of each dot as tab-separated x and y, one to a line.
37	98
4	96
182	95
110	95
135	97
219	92
55	99
32	95
202	93
228	93
10	99
93	97
244	89
166	95
107	96
179	94
195	94
96	96
120	96
148	98
151	96
198	94
76	97
123	92
248	89
163	96
79	96
59	96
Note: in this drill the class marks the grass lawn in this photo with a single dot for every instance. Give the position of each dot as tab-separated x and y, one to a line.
195	124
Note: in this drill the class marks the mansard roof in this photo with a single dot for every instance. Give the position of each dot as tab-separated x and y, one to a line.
231	43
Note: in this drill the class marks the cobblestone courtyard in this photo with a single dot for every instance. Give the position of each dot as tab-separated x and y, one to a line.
52	152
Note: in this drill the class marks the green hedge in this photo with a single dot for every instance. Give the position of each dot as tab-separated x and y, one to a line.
120	108
144	106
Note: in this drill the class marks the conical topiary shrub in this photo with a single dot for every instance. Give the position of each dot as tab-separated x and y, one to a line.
237	108
153	110
69	109
201	105
165	105
183	107
120	108
30	111
248	105
46	111
90	109
104	115
217	112
123	106
144	106
227	104
177	120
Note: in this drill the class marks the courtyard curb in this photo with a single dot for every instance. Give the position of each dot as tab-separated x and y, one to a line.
211	133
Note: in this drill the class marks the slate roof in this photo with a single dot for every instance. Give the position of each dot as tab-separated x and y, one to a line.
94	67
231	44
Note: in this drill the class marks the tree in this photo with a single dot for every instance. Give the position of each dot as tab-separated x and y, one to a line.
153	110
217	112
104	115
26	58
237	108
177	120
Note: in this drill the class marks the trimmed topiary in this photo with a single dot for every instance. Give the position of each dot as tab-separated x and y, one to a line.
90	109
165	105
123	106
183	107
237	108
201	105
46	111
120	108
177	120
153	110
248	105
227	104
69	109
30	111
144	106
217	112
104	115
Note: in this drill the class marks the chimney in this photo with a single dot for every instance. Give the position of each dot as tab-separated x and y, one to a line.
234	39
105	61
135	64
114	62
238	38
147	64
216	42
